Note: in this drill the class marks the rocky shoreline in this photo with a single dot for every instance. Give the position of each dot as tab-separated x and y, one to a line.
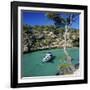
34	40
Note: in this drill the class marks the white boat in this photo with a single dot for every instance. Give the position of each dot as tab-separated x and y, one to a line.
47	57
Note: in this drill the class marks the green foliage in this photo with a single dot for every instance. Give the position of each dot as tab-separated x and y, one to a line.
63	63
76	42
59	21
27	28
37	43
64	66
62	19
52	15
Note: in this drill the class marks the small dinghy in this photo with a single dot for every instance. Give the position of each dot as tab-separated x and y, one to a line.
47	57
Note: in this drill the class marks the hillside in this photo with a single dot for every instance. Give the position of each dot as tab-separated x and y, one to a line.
47	37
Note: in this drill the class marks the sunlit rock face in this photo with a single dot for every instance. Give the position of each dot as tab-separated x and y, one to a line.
37	40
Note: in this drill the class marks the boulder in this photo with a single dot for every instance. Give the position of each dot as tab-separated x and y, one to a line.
26	49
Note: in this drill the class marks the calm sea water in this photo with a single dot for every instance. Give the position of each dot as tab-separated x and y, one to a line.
32	65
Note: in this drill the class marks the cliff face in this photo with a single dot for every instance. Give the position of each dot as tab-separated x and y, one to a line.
36	40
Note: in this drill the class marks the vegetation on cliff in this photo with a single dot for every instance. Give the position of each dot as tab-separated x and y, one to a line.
43	37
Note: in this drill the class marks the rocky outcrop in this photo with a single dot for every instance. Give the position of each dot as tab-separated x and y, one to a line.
36	40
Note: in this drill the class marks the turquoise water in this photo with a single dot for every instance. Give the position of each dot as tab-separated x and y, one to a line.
32	62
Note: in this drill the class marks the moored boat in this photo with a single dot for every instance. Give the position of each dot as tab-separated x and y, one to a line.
47	57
